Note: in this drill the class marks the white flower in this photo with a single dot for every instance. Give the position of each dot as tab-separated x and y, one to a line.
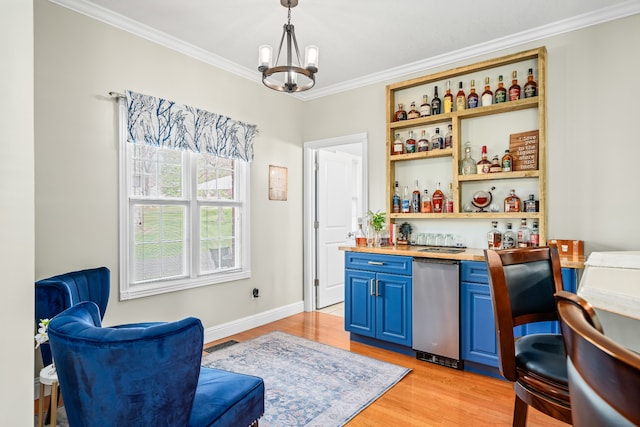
42	336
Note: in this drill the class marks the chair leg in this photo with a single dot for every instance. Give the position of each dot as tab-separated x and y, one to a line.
520	413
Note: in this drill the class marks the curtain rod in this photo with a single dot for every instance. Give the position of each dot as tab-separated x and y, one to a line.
116	95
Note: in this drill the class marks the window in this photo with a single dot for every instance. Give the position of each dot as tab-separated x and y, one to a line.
184	220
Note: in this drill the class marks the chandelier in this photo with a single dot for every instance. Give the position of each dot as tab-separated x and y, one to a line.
284	78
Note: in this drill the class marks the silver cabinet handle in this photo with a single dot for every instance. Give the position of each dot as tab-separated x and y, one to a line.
371	287
375	263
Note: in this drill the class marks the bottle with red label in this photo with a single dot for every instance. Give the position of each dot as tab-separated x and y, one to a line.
535	235
514	89
448	200
437	200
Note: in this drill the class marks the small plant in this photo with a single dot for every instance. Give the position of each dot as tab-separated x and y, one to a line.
376	220
42	336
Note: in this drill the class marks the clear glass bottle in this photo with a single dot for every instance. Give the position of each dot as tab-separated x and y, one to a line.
415	199
512	202
410	144
426	203
514	89
509	238
448	99
483	164
468	164
524	234
487	95
435	102
495	165
401	114
437	141
530	87
406	201
507	161
425	107
423	142
448	199
361	238
501	92
397	203
494	236
531	205
448	137
472	98
413	113
535	235
437	200
461	98
398	146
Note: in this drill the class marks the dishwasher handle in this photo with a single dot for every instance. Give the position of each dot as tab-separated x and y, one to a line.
435	261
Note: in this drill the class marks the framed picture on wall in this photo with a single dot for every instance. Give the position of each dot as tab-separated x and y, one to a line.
278	181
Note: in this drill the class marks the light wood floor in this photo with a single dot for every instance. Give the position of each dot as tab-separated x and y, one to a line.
430	395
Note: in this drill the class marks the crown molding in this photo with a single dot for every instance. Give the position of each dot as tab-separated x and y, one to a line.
618	11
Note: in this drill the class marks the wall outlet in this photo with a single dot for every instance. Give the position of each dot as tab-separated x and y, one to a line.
255	293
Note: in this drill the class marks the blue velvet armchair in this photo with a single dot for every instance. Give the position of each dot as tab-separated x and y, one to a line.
56	294
145	375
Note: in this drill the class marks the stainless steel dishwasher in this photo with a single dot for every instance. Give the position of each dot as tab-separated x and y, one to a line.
435	311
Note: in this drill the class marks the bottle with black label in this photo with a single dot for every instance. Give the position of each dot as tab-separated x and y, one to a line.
509	238
415	199
435	102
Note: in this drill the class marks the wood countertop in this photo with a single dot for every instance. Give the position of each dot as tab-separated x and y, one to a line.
469	254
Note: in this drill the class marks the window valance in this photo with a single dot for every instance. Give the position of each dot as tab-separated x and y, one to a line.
164	123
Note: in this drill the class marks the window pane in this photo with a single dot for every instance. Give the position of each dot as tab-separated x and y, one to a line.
218	238
216	178
155	172
159	241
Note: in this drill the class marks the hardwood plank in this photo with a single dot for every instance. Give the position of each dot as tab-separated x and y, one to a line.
430	395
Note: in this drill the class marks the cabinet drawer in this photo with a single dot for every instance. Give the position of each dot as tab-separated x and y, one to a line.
474	271
378	263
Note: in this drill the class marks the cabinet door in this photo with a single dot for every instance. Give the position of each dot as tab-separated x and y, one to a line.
478	331
393	308
359	302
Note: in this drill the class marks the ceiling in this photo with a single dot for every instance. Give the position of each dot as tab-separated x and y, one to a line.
360	41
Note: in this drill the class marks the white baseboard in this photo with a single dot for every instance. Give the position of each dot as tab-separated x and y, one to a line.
226	329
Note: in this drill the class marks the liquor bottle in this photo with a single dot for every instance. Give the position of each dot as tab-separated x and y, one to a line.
423	142
415	199
448	199
425	107
437	200
437	141
501	92
406	202
507	161
410	144
361	239
535	235
512	202
530	87
435	102
468	164
396	200
398	146
483	164
401	114
487	95
448	99
509	238
494	236
472	98
524	234
531	205
461	98
413	113
426	203
448	137
495	165
514	89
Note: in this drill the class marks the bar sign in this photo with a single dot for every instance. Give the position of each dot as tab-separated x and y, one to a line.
524	149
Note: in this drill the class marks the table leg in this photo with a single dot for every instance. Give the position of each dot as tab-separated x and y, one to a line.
41	406
54	403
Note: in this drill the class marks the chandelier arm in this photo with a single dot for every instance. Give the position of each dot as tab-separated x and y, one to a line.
295	43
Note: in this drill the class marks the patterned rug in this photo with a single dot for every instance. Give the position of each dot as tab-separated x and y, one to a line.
308	383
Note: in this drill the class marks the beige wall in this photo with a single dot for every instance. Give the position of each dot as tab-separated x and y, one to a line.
78	60
16	213
593	134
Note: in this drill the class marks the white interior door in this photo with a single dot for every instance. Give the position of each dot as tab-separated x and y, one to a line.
334	213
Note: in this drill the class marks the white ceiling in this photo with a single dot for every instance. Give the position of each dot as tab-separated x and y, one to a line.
360	41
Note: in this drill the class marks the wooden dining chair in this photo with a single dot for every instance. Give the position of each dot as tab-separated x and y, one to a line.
523	283
604	376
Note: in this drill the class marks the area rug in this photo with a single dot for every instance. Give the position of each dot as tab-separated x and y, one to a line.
308	383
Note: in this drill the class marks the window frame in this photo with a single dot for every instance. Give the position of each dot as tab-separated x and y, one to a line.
130	290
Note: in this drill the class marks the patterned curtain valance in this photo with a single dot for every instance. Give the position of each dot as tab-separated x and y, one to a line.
163	123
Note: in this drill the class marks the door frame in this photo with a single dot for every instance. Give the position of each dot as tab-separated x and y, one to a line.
309	211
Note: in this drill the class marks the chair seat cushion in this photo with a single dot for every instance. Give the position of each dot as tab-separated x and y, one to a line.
226	399
544	355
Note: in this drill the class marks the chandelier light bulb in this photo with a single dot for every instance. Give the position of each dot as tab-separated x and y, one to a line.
311	57
265	53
